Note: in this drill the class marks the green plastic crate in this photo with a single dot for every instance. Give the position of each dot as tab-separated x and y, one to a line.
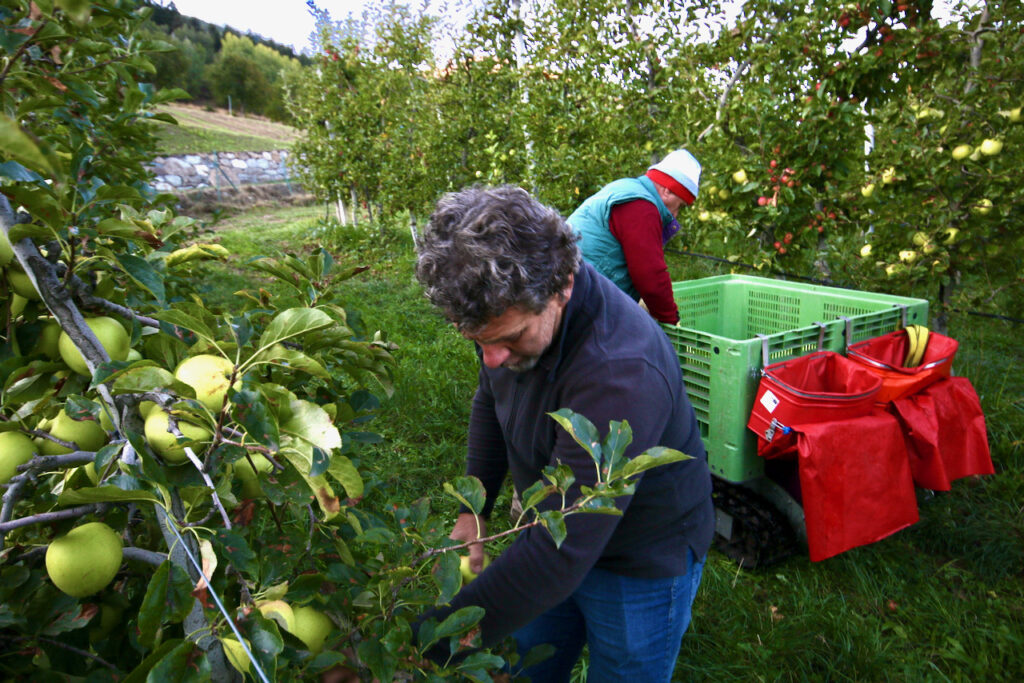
729	323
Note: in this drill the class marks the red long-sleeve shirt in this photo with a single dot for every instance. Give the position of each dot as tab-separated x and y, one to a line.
637	227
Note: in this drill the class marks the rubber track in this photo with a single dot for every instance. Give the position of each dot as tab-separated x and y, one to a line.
761	534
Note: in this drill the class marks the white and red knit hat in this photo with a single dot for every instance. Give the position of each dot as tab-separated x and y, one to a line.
679	172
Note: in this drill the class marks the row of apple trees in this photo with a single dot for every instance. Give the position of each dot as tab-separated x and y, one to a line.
181	491
872	143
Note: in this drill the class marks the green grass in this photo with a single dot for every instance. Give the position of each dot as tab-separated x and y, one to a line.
177	140
940	601
200	131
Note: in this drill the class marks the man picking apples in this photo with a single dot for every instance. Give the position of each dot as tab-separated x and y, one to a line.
625	227
552	333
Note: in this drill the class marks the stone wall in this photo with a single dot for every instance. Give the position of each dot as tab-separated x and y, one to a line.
219	170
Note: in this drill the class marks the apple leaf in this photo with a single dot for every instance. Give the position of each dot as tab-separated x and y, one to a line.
116	227
619	437
236	549
139	673
16	172
329	503
142	272
142	378
254	415
278	354
265	642
19	146
582	430
554	522
342	469
311	423
373	655
183	664
459	621
182	318
78	10
652	457
447	577
469	491
293	322
104	494
168	598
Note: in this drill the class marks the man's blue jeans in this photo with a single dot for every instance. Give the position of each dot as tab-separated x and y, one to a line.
634	628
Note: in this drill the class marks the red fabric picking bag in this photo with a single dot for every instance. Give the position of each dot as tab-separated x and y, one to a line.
884	357
855	483
816	388
945	433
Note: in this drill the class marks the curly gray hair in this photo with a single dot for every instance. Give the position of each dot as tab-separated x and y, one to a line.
486	250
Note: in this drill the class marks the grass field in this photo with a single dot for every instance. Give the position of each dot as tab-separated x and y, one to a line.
202	131
940	601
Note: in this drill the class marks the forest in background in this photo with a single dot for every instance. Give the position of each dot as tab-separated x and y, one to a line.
219	66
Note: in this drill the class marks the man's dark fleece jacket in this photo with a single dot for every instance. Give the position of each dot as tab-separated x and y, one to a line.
608	361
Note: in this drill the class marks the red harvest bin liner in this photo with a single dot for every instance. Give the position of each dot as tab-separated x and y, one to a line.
855	482
884	357
945	433
816	388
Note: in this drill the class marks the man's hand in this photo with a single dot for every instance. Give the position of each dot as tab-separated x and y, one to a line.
468	528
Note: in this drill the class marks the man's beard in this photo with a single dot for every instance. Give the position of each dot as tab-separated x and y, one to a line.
526	364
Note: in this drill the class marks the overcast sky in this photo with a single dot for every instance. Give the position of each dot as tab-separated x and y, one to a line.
289	22
285	21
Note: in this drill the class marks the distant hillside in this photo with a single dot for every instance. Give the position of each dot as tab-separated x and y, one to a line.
171	20
200	130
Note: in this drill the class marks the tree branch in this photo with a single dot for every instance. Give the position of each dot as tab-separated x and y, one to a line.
143	555
57	515
44	278
28	470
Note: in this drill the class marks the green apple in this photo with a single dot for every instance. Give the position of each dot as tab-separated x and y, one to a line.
991	147
962	152
704	216
49	339
112	336
311	627
867	190
85	560
467	573
889	176
15	449
109	618
724	194
235	654
209	375
894	269
865	251
89	435
983	207
928	248
249	477
133	355
6	250
908	255
18	303
920	238
949	235
739	177
145	407
21	283
280	611
166	444
1013	115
